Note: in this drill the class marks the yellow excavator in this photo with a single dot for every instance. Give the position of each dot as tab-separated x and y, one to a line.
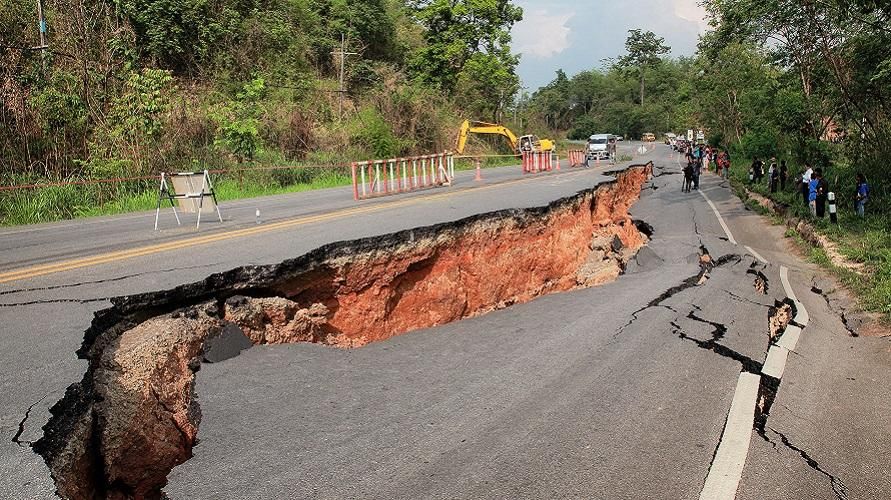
519	145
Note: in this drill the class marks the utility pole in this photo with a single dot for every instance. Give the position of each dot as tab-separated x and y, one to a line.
42	24
342	53
520	101
42	28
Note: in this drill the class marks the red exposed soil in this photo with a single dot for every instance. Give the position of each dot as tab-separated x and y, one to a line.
443	279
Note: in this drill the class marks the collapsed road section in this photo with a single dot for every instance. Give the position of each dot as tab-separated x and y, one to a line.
134	415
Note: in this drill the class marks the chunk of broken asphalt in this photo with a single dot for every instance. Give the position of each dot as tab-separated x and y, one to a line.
228	344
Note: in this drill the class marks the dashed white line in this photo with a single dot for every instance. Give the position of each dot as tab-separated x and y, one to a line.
756	254
801	317
790	338
775	364
720	219
727	467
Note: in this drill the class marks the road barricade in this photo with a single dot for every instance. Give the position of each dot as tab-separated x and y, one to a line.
375	178
192	191
539	161
576	157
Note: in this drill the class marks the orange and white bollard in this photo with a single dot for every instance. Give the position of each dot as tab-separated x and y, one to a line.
354	168
479	174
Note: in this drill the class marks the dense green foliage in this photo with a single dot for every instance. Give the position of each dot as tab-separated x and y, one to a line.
607	100
807	82
134	87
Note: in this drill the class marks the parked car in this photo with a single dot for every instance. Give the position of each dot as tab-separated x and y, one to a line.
649	137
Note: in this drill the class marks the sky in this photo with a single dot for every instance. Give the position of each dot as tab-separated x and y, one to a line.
577	35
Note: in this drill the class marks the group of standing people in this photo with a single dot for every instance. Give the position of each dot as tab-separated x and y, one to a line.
812	185
777	175
701	158
814	190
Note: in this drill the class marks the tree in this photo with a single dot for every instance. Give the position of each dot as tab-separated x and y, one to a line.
486	83
239	122
644	49
367	26
457	30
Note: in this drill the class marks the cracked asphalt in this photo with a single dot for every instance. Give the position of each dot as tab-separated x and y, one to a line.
620	391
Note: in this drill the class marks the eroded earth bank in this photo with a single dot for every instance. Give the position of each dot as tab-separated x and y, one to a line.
134	416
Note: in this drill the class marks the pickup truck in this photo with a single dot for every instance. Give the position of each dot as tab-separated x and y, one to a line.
598	147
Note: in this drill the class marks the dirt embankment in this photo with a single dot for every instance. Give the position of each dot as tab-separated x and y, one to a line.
134	416
807	232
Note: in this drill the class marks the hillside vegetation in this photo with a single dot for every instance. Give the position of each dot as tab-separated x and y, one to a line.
135	87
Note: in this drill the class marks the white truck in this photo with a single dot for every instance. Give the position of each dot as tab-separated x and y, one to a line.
598	147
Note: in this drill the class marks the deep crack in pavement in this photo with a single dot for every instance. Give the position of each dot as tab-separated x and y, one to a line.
838	486
21	430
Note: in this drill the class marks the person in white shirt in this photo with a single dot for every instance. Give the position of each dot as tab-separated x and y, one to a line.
805	183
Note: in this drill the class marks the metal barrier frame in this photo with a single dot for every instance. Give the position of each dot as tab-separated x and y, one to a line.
206	190
373	178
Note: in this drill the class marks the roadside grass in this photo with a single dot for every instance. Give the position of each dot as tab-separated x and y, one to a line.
865	241
48	204
55	203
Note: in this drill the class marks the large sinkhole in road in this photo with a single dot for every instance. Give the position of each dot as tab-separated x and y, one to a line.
134	416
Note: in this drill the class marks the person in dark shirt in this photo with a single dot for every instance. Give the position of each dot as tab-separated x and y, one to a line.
822	192
757	170
688	176
784	175
697	171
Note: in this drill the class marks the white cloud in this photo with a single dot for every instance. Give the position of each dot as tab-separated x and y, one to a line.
690	10
542	35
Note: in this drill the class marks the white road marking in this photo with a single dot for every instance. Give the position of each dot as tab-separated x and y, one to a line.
775	364
802	317
790	338
756	254
730	237
727	468
720	219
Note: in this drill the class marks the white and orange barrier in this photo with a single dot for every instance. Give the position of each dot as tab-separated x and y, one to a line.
577	157
374	178
539	161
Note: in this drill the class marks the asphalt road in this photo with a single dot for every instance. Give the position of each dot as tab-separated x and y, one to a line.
587	394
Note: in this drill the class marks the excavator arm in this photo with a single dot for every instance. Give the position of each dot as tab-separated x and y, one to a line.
484	128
